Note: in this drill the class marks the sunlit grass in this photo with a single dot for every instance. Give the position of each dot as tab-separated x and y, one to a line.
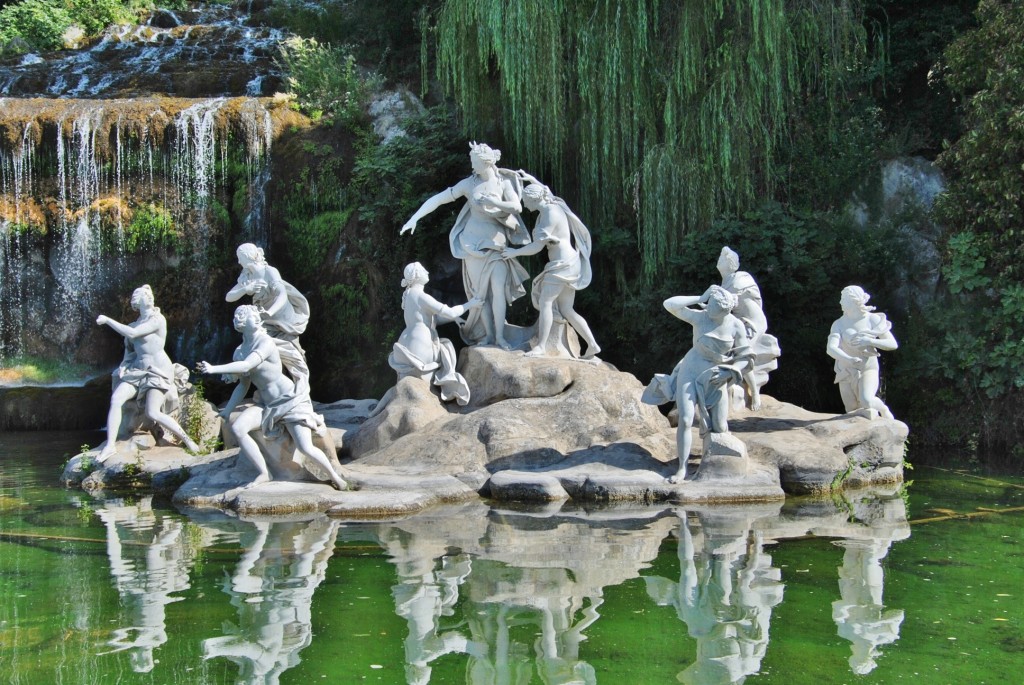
37	371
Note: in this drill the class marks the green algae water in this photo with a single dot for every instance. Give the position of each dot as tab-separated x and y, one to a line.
923	585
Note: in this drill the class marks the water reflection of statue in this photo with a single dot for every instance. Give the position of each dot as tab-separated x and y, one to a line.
147	573
860	615
146	372
488	222
272	590
749	310
854	342
720	356
284	310
568	268
282	406
725	595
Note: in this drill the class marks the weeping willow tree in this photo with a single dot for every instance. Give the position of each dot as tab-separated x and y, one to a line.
672	111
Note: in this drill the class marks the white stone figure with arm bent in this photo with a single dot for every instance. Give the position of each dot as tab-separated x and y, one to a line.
257	362
145	373
699	383
488	222
749	310
284	310
420	352
854	342
568	268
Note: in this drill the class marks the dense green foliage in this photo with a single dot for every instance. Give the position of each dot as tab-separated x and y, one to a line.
325	81
43	23
978	330
682	108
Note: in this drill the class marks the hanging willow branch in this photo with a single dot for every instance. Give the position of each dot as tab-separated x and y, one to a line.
674	111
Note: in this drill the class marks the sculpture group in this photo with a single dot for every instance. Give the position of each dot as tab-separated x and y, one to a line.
726	366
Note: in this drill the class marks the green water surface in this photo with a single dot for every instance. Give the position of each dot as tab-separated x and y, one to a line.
880	586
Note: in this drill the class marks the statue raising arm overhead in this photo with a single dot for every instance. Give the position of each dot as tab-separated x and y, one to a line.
720	355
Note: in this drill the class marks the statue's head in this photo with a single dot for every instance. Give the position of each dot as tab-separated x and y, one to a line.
728	261
721	301
535	195
248	253
854	299
142	295
482	155
414	274
247	317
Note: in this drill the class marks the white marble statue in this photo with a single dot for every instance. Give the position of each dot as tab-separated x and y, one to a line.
257	361
854	342
487	224
146	373
750	312
720	355
284	310
568	268
420	352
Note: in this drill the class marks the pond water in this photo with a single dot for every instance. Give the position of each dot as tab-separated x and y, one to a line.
879	586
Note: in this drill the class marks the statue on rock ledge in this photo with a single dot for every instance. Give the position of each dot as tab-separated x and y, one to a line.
419	351
568	269
720	355
854	342
284	310
489	222
257	361
749	311
146	373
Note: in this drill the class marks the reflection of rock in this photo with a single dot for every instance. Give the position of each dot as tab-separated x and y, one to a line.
147	572
272	589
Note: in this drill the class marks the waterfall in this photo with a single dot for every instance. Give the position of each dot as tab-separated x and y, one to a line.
77	174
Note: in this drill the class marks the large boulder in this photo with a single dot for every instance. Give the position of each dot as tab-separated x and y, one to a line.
524	413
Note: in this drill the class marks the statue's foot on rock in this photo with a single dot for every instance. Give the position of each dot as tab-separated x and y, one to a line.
106	453
340	483
191	445
503	344
258	480
535	352
592	351
677	478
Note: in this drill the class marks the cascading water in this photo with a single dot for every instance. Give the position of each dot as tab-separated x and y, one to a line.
98	195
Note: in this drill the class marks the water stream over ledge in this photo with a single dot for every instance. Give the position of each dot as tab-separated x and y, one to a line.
840	590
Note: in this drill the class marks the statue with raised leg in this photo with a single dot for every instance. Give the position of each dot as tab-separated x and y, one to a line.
749	310
284	310
854	342
487	224
720	355
258	362
420	352
146	373
568	268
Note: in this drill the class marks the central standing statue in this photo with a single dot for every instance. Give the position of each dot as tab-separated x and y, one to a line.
487	224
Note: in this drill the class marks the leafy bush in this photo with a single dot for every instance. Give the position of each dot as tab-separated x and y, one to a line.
325	80
41	23
151	226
